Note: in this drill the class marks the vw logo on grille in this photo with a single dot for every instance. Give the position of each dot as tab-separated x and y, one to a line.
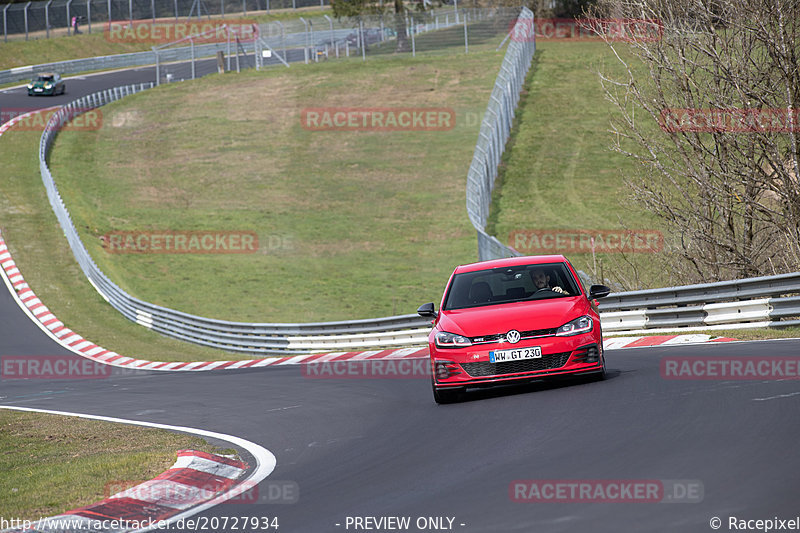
513	336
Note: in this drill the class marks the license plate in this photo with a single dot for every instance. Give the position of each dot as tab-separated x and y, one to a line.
37	90
500	356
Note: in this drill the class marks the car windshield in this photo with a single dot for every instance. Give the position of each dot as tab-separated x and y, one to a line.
44	78
510	284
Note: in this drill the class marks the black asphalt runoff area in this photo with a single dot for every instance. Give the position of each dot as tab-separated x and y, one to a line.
378	448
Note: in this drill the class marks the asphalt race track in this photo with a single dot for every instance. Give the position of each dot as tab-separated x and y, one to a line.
382	447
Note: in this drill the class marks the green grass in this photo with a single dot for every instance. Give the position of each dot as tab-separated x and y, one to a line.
363	224
38	50
38	246
559	173
52	463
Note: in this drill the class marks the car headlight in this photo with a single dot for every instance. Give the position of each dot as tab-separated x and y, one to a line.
575	327
30	86
451	340
48	85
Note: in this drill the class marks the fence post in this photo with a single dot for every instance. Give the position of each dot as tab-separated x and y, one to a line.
330	22
158	67
363	42
5	23
466	39
305	48
89	15
26	19
413	39
47	18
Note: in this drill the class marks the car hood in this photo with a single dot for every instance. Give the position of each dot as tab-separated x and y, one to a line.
41	83
522	316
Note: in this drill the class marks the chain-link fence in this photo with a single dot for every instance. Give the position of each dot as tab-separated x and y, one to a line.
62	17
449	28
315	39
495	130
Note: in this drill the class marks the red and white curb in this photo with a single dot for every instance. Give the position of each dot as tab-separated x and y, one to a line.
221	479
615	343
195	478
19	118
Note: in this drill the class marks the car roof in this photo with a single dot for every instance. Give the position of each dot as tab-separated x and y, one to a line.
511	261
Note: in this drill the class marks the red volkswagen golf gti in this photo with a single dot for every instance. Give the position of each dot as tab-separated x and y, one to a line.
512	320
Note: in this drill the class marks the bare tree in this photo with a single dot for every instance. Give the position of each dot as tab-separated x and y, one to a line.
708	105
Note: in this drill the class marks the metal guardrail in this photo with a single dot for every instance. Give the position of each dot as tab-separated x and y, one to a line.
755	302
494	132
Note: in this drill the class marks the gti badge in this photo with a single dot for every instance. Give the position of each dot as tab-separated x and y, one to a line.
513	336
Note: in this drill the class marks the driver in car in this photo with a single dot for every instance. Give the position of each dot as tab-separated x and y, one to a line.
542	281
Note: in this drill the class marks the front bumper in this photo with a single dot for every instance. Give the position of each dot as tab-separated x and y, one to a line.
561	356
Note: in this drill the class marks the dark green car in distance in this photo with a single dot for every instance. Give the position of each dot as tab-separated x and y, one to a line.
46	83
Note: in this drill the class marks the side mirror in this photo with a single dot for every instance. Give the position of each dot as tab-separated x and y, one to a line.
427	310
598	291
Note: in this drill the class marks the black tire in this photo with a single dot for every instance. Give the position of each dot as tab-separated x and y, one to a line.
444	396
599	376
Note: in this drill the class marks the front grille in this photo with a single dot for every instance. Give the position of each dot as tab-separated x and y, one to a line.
523	335
546	362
